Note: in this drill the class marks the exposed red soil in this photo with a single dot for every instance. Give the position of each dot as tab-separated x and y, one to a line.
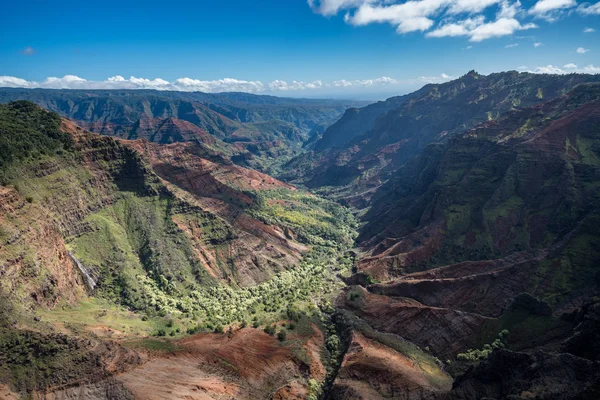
249	364
30	226
391	256
6	394
446	331
371	370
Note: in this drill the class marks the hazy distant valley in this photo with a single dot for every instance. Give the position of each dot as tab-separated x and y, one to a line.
443	244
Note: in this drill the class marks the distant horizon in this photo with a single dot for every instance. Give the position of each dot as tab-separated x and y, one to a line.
364	49
369	91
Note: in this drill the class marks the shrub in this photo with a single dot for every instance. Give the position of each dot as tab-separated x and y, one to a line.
282	335
270	329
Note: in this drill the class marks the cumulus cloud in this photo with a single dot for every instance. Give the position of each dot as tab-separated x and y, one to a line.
581	50
589	9
28	51
285	86
214	86
551	9
477	30
589	30
440	18
567	69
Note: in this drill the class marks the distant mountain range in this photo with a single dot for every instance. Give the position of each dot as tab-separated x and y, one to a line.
251	129
367	145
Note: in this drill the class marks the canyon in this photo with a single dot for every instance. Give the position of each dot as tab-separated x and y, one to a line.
437	245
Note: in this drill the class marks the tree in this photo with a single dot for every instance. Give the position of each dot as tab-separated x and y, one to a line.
282	335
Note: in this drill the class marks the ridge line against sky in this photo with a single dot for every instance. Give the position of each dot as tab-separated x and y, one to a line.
321	48
257	87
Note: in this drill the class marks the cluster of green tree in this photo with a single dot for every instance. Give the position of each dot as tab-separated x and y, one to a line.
283	296
28	132
313	219
483	353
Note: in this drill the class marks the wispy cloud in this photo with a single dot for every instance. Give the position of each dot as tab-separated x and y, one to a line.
216	86
510	46
589	30
551	9
538	44
567	69
581	50
589	8
28	51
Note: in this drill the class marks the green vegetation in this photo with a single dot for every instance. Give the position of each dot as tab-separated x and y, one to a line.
35	360
482	354
314	220
28	132
157	345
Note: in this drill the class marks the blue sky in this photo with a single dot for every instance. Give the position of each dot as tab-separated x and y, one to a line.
333	48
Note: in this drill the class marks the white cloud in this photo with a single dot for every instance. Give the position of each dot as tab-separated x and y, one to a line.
567	69
589	30
589	9
331	7
219	85
14	82
551	9
28	51
538	44
443	18
477	30
278	85
581	50
510	46
384	80
216	86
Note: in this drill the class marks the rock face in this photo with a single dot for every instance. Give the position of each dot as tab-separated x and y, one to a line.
405	126
35	261
371	370
158	227
202	205
222	190
524	182
511	375
510	210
